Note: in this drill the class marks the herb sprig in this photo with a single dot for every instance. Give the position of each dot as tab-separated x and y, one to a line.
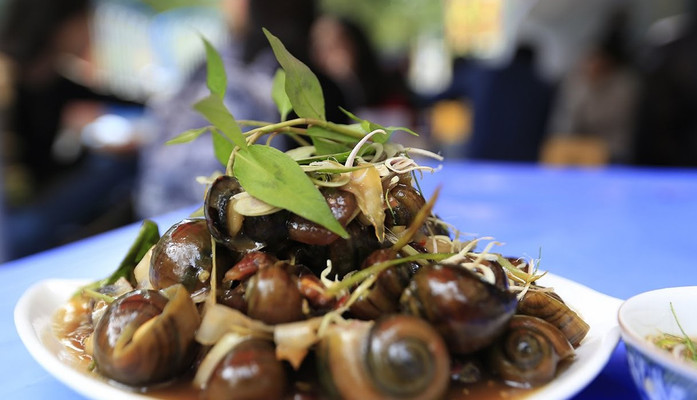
263	171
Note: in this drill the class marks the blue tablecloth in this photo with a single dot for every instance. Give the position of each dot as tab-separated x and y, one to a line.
620	231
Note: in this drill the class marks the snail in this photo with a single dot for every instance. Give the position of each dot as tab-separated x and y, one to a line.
404	202
225	221
182	255
273	291
548	306
468	311
249	371
273	296
395	357
144	338
528	352
344	208
383	295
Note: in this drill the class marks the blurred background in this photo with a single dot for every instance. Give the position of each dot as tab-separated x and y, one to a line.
90	91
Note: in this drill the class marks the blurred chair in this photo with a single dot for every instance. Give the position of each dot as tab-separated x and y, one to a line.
574	151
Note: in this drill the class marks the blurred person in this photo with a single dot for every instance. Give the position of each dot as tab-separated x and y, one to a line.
167	174
666	128
341	50
504	108
50	196
597	98
511	107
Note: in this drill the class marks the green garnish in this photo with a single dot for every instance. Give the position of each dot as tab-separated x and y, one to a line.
688	342
263	171
147	237
375	269
681	346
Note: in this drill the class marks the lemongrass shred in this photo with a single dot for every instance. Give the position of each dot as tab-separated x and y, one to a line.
354	152
424	152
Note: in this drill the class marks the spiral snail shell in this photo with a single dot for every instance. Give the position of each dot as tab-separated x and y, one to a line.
144	338
549	307
529	351
182	255
469	312
249	371
396	357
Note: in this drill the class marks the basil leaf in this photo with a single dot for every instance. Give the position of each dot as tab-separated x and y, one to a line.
302	87
222	147
188	136
325	147
213	109
272	176
315	131
216	79
148	235
279	96
393	129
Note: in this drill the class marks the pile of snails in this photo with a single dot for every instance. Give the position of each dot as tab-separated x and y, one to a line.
252	302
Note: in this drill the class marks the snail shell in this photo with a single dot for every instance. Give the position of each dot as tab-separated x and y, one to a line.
529	351
273	296
144	338
182	255
397	357
343	206
224	223
383	297
550	308
469	312
249	371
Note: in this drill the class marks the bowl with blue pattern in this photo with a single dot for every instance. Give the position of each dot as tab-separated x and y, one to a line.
658	373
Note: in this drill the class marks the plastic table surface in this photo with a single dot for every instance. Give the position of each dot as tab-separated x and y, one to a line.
620	231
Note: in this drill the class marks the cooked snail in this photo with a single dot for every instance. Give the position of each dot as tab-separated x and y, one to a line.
145	338
396	357
224	222
343	206
528	352
249	371
273	296
469	312
383	296
549	307
183	255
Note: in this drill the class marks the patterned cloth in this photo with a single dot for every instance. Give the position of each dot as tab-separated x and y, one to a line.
167	179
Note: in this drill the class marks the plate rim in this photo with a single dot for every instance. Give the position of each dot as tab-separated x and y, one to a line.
564	386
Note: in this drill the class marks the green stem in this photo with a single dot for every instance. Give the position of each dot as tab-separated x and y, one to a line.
381	266
97	295
688	341
302	121
289	126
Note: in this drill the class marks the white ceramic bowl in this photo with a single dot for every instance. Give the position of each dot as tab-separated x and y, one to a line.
657	374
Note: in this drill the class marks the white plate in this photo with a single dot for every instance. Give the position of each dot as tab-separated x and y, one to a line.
36	306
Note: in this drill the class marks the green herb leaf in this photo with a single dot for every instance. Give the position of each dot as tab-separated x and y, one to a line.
213	109
272	176
188	136
315	131
216	79
148	235
222	147
279	96
302	87
371	126
688	341
324	147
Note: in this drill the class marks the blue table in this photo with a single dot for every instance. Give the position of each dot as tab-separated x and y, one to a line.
620	231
